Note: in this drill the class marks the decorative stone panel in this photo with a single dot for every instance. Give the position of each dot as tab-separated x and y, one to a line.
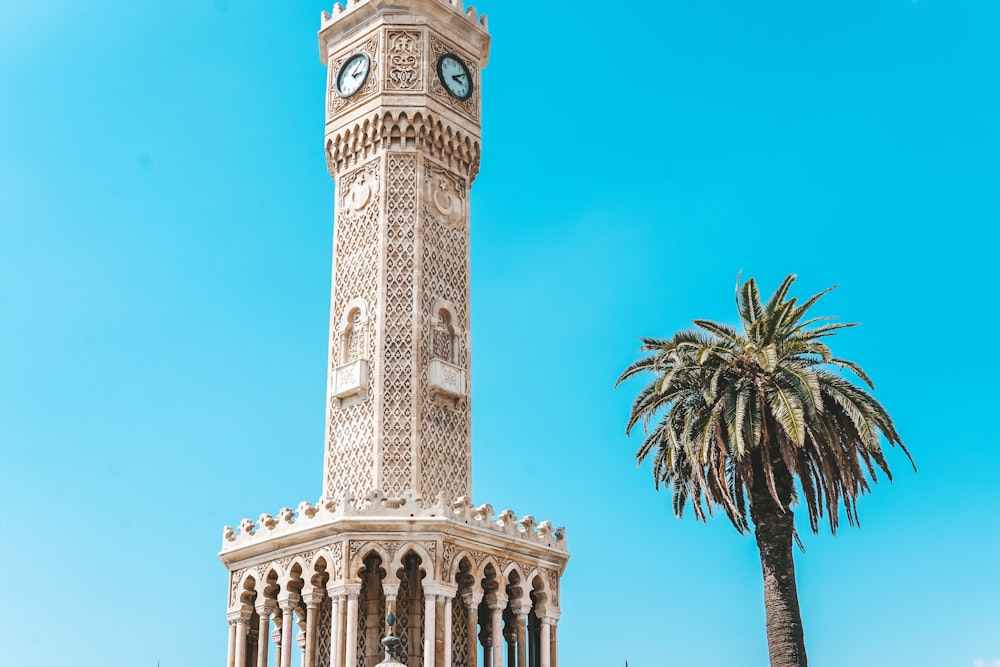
351	379
446	380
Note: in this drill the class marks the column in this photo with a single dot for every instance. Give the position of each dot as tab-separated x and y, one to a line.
351	650
554	644
264	610
520	612
440	624
447	631
231	653
497	605
313	600
471	603
252	636
545	640
390	589
276	637
429	625
301	640
336	628
241	616
288	602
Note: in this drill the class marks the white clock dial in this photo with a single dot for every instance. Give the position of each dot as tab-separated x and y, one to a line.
455	76
352	74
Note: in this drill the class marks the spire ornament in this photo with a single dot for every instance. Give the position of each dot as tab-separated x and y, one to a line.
391	643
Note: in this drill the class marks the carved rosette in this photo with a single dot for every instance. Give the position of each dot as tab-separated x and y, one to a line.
337	103
469	107
403	56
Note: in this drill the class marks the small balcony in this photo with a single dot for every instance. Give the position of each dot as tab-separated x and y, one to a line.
351	380
448	383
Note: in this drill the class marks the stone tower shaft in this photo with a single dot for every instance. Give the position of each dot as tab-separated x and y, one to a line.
403	152
395	529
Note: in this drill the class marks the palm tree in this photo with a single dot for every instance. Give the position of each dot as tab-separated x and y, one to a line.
760	419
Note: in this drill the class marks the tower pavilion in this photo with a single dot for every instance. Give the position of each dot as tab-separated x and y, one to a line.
395	529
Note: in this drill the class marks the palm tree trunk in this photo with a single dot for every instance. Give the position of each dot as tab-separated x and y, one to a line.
773	528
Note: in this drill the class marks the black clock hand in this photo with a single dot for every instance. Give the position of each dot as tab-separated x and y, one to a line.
456	77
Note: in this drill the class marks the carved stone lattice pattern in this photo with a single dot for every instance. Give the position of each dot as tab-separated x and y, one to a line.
403	57
470	106
323	630
397	387
445	464
459	634
403	619
362	635
338	103
350	448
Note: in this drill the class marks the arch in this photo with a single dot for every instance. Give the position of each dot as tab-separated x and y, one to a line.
515	585
246	590
413	547
295	568
357	562
456	561
538	590
268	585
332	561
353	331
488	560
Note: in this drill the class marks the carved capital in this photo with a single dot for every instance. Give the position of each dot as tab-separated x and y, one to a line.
549	617
472	600
313	598
440	589
288	602
239	615
496	603
520	610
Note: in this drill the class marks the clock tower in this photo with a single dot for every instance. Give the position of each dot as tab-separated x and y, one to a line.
395	528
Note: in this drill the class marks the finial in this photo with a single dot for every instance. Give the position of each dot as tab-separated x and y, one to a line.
391	642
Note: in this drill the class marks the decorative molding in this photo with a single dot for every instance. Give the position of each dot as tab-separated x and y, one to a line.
351	379
447	383
352	144
404	50
409	505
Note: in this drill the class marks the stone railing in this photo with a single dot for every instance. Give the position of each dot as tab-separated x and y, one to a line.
376	504
339	10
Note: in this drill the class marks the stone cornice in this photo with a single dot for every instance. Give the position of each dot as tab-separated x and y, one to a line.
403	128
377	513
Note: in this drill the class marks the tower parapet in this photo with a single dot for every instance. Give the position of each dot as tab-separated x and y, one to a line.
340	9
323	517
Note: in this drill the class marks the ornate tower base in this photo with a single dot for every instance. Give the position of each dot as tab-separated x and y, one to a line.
468	589
395	529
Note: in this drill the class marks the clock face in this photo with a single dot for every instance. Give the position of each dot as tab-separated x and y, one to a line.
455	76
352	74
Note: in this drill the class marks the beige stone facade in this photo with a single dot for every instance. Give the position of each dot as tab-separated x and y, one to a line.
395	529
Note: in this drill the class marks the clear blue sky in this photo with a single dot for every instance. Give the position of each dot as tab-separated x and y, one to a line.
165	232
